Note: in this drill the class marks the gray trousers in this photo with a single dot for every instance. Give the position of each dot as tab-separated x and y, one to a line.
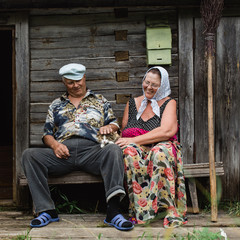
86	155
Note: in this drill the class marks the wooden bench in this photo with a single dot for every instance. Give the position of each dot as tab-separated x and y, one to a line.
191	171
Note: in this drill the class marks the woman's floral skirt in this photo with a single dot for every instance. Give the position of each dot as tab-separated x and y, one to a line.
155	182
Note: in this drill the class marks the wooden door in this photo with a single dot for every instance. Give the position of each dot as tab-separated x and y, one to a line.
6	119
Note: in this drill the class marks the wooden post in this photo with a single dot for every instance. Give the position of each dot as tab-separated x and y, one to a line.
211	152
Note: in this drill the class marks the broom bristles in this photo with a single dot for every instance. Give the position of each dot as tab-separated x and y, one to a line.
211	11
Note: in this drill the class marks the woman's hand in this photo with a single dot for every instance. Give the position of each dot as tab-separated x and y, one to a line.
123	142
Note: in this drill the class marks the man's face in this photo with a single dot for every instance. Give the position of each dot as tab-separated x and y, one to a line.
76	88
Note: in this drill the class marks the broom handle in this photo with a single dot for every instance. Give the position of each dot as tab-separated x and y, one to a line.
213	188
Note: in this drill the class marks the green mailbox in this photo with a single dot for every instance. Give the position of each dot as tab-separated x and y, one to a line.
159	44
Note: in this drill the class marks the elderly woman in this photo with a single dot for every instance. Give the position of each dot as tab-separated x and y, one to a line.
152	154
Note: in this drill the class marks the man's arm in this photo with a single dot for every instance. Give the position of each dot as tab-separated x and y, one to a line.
59	149
110	121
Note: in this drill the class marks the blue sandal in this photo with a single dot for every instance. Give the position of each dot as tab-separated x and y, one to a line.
45	219
118	221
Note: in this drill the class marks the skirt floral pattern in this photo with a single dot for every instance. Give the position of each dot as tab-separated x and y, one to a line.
155	182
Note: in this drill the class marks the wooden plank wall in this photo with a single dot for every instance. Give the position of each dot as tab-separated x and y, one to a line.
227	105
200	95
193	98
186	85
109	42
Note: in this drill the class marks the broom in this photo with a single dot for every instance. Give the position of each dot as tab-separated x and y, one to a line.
211	11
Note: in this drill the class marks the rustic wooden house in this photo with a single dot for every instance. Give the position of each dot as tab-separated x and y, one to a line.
110	38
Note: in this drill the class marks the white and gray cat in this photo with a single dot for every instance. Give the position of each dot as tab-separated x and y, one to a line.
107	138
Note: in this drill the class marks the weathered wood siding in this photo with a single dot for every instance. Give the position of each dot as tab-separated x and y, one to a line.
193	97
92	37
227	105
186	85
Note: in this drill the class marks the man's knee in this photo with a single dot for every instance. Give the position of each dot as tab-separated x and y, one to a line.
26	155
114	149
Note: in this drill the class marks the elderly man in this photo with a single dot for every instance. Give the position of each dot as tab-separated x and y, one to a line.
70	133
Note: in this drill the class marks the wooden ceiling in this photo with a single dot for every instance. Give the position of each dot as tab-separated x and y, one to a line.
11	4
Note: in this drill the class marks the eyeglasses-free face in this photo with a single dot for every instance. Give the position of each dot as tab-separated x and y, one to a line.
76	88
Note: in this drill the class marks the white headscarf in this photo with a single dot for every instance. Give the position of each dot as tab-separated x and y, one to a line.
162	92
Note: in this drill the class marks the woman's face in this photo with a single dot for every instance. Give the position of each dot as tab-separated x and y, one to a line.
151	84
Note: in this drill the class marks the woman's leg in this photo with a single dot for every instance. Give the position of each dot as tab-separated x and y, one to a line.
168	182
135	172
151	176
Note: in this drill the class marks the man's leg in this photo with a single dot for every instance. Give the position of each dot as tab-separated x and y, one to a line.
37	164
107	162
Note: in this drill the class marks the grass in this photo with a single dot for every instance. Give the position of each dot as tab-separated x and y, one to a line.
200	235
203	234
79	199
22	237
233	208
64	205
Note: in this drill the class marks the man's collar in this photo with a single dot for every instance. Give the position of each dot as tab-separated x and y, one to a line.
64	97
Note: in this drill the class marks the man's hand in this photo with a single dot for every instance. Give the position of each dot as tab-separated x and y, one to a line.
60	150
106	129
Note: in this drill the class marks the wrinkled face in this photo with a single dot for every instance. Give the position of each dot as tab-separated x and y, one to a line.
76	88
151	84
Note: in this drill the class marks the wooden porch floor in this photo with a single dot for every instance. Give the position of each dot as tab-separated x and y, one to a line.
90	226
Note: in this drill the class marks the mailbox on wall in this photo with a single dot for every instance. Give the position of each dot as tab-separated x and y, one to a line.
159	44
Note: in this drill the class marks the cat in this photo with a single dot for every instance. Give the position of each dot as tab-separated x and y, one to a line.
107	138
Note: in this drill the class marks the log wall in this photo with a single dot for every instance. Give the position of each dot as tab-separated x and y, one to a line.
111	44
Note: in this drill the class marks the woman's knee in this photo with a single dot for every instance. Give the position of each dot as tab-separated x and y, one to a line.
158	152
132	151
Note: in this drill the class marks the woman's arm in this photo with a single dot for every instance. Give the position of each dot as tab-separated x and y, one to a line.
168	128
125	116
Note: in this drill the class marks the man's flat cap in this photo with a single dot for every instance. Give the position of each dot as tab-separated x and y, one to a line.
73	71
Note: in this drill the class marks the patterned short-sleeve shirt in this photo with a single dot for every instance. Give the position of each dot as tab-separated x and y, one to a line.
64	120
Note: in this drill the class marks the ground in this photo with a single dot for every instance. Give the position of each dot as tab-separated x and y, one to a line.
14	224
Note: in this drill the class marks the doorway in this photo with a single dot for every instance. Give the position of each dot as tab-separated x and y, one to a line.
6	118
